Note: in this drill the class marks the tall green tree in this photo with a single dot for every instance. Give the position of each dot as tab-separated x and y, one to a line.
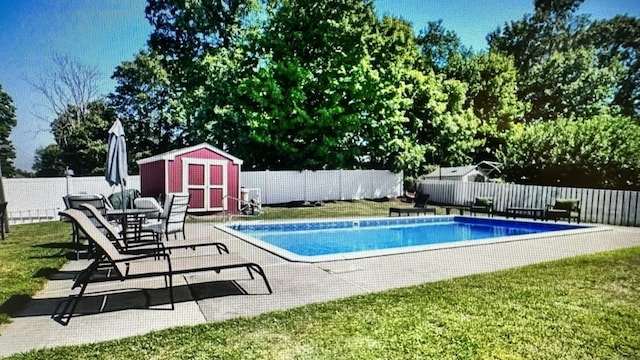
559	71
49	162
151	116
305	102
439	47
618	40
492	86
442	121
8	121
388	95
202	46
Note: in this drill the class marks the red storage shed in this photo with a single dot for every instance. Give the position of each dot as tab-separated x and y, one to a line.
210	175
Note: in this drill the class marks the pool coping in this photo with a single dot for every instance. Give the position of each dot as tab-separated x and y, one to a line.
293	257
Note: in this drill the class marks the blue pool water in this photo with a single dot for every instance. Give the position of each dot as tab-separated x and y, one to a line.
304	241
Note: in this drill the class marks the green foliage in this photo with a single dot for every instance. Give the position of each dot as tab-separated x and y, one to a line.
80	145
151	117
441	121
601	152
292	84
439	47
8	121
568	66
570	84
618	39
204	48
492	82
49	161
330	93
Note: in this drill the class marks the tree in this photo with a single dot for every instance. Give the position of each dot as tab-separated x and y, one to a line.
305	104
559	71
492	85
8	121
49	162
85	147
70	85
442	122
389	98
618	40
439	46
570	84
142	98
203	48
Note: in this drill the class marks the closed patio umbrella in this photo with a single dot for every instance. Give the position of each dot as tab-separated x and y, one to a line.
117	171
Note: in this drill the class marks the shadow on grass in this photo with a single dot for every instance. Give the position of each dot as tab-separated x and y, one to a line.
69	251
14	304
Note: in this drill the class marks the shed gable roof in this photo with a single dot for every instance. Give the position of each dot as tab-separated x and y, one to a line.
171	155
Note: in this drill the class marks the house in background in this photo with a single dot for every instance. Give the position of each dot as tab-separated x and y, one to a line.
210	175
482	172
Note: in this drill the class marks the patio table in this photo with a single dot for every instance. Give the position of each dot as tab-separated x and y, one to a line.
124	214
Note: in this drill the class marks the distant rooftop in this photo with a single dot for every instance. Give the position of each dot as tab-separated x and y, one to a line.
489	168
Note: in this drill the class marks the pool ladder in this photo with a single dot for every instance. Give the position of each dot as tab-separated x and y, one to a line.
254	205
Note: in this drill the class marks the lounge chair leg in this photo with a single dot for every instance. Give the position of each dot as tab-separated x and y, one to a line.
170	286
258	269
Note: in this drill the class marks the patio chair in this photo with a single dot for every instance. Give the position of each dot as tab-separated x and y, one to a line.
173	217
563	209
127	266
74	201
420	206
144	243
482	205
148	203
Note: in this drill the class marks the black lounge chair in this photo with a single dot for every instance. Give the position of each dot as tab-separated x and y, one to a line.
420	206
128	266
563	209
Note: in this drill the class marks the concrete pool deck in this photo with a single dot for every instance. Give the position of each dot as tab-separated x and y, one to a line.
120	309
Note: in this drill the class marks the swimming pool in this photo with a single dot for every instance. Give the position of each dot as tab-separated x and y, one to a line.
327	240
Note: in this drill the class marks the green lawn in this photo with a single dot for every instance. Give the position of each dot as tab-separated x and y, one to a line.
27	256
585	307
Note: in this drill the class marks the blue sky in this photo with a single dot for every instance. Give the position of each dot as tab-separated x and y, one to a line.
104	33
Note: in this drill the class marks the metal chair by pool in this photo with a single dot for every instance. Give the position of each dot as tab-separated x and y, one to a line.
420	206
482	205
126	266
564	209
173	217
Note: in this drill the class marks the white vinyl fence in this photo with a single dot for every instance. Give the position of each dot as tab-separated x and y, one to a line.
285	186
40	199
612	207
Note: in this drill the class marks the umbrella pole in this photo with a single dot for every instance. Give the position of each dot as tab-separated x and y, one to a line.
122	196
